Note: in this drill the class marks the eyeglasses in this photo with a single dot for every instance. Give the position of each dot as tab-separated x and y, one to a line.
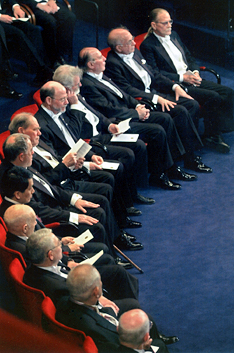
128	43
59	245
62	100
165	23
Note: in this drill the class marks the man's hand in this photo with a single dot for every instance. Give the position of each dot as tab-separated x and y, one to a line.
142	112
18	13
180	92
70	160
113	129
97	159
166	104
79	163
53	5
194	79
69	241
44	7
108	303
80	204
6	19
72	264
87	219
147	344
94	166
72	96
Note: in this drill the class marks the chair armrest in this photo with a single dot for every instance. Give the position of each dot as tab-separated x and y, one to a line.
204	68
29	13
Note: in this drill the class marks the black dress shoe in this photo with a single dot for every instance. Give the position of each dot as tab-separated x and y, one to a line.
197	165
129	223
8	92
144	200
179	174
124	243
164	183
133	211
130	236
168	340
216	143
125	264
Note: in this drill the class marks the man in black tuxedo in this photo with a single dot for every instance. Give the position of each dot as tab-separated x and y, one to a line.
99	130
134	334
65	205
46	161
165	52
155	128
45	253
84	309
58	24
24	39
20	221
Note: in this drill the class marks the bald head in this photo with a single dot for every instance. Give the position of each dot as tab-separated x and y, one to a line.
84	284
20	220
91	60
133	328
116	37
54	97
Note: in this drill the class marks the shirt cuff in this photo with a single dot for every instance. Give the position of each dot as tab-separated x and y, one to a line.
181	78
155	99
74	106
74	218
74	198
86	165
174	86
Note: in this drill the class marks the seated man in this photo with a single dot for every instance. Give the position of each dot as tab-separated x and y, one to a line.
109	99
99	130
46	271
46	161
134	334
165	52
83	310
18	151
26	40
20	221
58	24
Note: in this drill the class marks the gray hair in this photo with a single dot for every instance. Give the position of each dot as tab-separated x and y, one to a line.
153	16
81	281
38	245
20	120
65	75
20	145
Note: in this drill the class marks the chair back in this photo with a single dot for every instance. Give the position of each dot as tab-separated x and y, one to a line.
50	324
37	98
139	39
105	51
30	299
32	108
7	255
3	137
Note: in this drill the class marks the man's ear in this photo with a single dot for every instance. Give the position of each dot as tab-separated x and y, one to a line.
48	100
17	195
25	226
21	130
21	157
154	25
90	64
118	48
50	255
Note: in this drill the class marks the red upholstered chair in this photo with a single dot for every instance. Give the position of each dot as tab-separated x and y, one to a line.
3	137
18	336
8	255
32	108
37	98
139	39
50	324
29	299
105	51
